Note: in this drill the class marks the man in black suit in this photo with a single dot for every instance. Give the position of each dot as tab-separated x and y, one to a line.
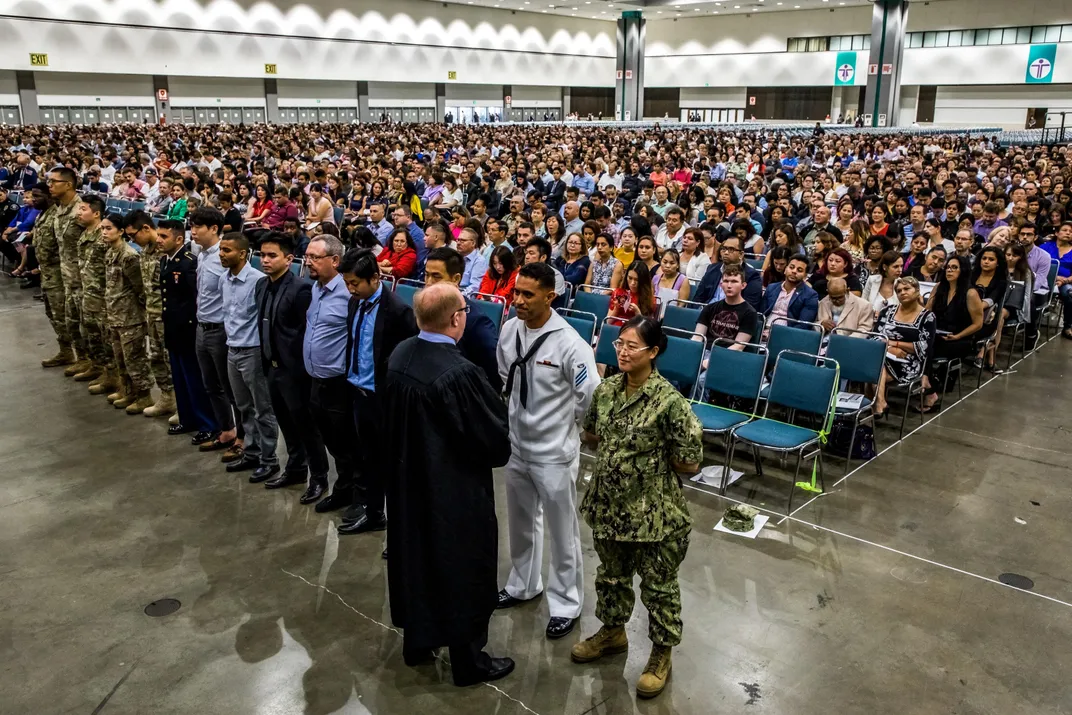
178	291
445	265
377	321
556	190
282	302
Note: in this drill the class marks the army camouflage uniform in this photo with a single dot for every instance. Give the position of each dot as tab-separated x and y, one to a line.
47	250
124	305
91	270
154	316
634	503
68	231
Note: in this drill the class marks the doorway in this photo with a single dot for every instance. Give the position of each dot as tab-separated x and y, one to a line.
1036	118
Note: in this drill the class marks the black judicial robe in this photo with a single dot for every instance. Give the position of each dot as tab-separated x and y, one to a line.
445	430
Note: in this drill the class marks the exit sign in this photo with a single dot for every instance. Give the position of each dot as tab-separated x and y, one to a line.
270	69
38	59
451	74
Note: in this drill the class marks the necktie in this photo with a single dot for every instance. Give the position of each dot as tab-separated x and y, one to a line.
520	363
365	309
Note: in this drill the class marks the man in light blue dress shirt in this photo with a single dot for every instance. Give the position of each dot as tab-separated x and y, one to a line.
206	226
475	264
378	223
324	353
245	369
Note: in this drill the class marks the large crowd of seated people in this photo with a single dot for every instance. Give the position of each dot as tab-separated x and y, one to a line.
233	267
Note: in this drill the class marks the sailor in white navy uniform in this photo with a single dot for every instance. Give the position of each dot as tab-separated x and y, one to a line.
550	374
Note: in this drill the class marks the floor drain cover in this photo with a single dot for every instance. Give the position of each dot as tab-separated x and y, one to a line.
1016	581
163	607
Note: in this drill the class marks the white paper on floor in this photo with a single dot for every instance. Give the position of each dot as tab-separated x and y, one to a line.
758	525
712	476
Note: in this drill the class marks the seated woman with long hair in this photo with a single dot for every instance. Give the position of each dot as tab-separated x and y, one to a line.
635	297
990	277
958	312
501	274
910	332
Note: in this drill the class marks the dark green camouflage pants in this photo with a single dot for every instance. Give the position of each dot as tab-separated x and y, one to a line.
131	360
55	301
158	356
657	564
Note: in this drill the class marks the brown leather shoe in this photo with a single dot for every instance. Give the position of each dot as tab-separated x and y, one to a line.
233	454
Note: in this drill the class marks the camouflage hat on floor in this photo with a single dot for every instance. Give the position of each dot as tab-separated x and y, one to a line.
740	518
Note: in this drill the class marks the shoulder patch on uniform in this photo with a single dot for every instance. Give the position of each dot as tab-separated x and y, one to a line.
581	375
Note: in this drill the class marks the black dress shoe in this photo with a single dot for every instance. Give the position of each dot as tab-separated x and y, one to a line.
202	438
178	429
334	501
423	657
263	473
244	464
384	555
560	627
313	492
354	512
285	479
363	525
508	601
498	668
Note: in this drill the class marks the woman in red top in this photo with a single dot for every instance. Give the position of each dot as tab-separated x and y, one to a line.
501	274
879	226
635	297
400	260
259	206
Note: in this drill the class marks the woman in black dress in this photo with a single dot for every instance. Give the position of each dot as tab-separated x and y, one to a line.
910	332
958	312
990	279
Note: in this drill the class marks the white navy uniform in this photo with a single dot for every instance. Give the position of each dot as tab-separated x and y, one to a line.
541	477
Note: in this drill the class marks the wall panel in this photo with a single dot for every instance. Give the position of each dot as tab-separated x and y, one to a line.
216	92
63	89
316	93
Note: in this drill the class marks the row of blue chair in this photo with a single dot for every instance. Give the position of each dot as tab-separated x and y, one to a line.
297	266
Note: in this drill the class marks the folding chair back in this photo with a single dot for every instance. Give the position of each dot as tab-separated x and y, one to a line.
682	314
861	359
798	341
493	306
803	385
680	364
736	373
605	353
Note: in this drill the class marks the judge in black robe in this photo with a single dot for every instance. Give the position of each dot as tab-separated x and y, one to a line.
445	431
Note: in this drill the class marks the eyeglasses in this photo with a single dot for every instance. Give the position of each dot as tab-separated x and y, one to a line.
730	249
312	257
627	348
464	309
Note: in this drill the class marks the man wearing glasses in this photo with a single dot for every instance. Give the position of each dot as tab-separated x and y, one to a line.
731	253
62	186
475	265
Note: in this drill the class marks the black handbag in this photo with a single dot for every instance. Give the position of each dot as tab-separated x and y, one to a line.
863	446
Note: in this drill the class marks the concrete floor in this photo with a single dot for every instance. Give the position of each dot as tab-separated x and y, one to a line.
880	597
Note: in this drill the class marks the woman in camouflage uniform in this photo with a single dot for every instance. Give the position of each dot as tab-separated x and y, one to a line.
646	434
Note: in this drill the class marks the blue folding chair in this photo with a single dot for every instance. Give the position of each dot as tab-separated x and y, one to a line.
1051	302
605	352
406	289
297	266
255	260
800	341
512	313
682	315
493	306
596	302
339	213
680	363
583	323
861	357
803	386
388	282
734	373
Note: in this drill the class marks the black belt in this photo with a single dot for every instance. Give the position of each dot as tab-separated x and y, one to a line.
211	326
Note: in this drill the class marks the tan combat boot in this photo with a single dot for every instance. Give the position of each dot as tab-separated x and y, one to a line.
655	675
164	406
174	420
80	366
64	357
144	399
105	384
126	395
608	641
92	373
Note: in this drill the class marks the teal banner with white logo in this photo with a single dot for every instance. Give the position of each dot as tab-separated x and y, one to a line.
845	69
1040	63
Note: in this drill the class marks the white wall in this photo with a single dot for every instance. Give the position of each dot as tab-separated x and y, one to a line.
313	93
994	64
908	106
339	39
1000	105
9	89
475	94
525	96
215	92
783	69
713	97
979	14
396	94
75	89
759	32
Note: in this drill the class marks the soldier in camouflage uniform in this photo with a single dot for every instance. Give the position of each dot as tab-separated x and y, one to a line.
124	304
646	433
61	185
47	250
91	272
140	229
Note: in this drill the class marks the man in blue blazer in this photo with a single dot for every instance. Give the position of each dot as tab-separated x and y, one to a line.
480	337
730	252
792	299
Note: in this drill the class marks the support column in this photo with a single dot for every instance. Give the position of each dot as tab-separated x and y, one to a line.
362	103
889	19
441	101
160	106
31	113
565	103
629	65
271	101
508	91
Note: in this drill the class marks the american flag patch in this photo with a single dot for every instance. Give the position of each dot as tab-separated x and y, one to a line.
582	375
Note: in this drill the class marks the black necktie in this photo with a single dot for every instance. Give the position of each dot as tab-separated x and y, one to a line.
520	363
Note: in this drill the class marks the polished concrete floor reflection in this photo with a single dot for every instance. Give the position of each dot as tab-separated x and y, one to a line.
879	597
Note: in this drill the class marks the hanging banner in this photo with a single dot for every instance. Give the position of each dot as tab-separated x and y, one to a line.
845	69
1040	63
